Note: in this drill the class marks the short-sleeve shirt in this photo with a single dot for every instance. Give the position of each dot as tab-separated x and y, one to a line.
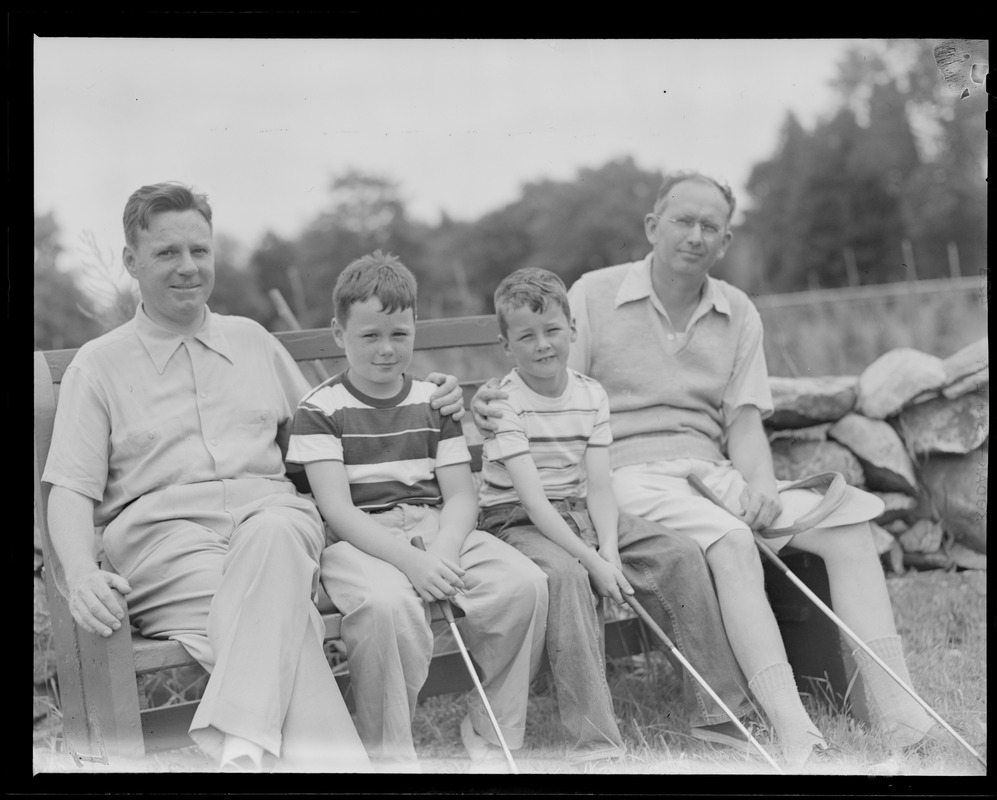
142	408
555	431
391	448
672	393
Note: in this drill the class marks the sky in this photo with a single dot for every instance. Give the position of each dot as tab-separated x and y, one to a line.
263	125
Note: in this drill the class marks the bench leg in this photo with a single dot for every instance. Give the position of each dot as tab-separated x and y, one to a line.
98	693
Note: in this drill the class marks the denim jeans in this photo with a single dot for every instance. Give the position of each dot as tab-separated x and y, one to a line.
671	581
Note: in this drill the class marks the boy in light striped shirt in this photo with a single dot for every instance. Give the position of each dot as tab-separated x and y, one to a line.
546	490
385	467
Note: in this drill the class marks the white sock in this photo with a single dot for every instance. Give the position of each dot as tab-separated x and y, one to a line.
898	714
775	689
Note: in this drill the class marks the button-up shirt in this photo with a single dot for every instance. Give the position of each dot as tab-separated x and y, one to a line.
142	408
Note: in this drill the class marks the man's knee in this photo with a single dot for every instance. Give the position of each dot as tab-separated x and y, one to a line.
735	551
282	531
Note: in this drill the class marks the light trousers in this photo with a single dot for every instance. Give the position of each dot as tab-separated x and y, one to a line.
389	642
228	569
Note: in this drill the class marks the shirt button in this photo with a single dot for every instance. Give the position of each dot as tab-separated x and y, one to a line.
152	435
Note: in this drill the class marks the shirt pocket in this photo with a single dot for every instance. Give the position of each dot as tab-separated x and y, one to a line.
141	440
256	419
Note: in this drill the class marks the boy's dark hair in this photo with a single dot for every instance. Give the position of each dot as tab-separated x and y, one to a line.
158	197
533	287
377	274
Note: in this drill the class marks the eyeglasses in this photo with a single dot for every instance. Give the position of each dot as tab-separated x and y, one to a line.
709	229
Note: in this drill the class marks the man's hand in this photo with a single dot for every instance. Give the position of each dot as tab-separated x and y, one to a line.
608	580
449	399
760	507
432	577
92	603
482	411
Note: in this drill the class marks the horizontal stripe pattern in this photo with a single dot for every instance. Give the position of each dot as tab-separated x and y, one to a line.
555	431
391	449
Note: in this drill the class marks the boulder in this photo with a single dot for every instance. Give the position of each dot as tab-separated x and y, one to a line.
945	426
964	558
879	449
900	507
971	359
957	488
883	540
924	536
936	560
894	379
800	402
896	527
794	459
971	383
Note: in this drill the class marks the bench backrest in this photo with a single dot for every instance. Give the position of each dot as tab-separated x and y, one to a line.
305	346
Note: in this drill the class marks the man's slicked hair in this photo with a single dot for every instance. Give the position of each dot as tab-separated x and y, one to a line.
377	274
157	198
533	287
676	177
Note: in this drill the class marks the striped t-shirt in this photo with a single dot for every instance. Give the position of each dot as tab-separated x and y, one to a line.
391	448
555	431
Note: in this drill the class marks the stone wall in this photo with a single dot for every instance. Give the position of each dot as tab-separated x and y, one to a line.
913	429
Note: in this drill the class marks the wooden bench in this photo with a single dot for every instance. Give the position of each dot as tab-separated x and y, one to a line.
98	677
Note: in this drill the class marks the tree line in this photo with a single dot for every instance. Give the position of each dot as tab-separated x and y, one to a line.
888	185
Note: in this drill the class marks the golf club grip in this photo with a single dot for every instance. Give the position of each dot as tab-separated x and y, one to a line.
444	604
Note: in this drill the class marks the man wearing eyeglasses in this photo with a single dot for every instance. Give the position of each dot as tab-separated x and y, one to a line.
680	356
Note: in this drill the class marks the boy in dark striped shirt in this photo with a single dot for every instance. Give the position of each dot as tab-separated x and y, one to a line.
546	490
385	467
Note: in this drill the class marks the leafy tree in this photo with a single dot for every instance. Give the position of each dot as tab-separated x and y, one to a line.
895	161
59	317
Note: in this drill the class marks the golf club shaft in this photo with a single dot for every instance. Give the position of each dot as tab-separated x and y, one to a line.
448	614
780	564
649	621
769	553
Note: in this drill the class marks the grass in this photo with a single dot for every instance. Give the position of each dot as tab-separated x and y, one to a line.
941	615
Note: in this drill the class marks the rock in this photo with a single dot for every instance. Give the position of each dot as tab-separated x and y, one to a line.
924	536
945	426
897	527
794	459
936	560
971	383
894	558
800	402
813	433
971	359
964	558
883	540
894	379
899	507
957	488
880	451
